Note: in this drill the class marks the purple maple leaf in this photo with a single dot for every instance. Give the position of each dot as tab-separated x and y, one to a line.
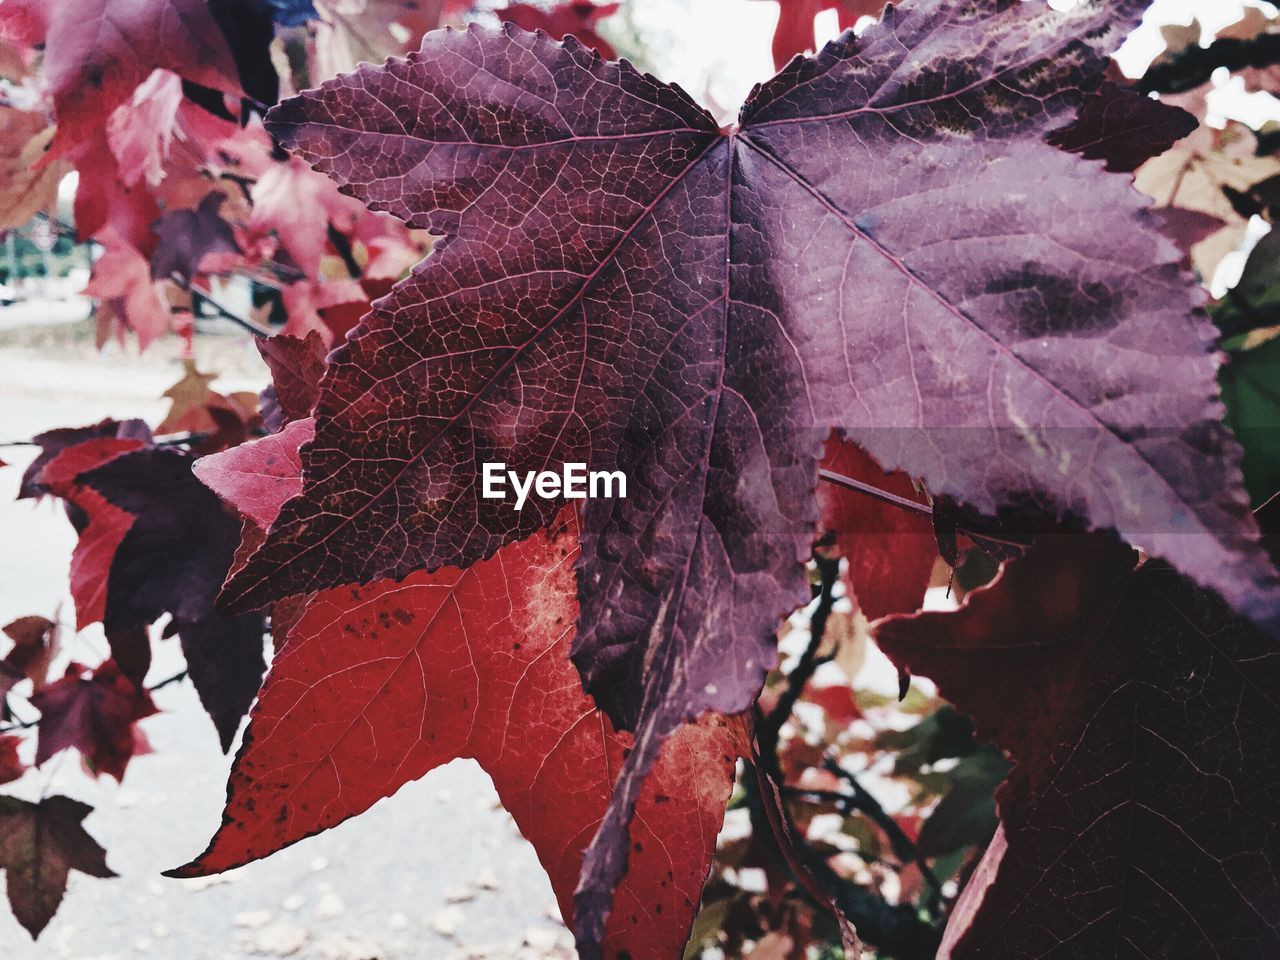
186	237
885	243
173	560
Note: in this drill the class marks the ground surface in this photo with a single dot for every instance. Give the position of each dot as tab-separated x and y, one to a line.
438	871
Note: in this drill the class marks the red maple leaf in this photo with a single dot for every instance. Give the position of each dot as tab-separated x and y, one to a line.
129	298
1142	720
795	32
35	643
104	527
890	551
97	52
11	766
94	712
451	664
577	18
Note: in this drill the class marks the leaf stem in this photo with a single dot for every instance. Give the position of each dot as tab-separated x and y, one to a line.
902	503
975	532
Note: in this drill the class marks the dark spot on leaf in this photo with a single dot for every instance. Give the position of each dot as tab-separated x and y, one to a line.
1050	305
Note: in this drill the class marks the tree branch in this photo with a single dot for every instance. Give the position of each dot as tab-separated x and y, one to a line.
771	725
165	440
862	800
1195	65
894	929
207	296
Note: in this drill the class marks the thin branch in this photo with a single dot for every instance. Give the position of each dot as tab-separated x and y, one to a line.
895	930
179	439
225	312
176	678
902	503
1195	65
27	724
16	724
807	665
974	531
165	440
864	801
345	251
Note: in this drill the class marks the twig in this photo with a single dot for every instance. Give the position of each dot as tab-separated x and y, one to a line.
345	251
176	678
974	531
864	801
16	724
165	440
228	314
807	665
894	929
1195	65
27	724
902	503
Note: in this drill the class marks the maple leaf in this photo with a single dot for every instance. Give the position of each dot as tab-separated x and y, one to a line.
25	188
225	661
576	18
196	408
140	132
172	559
624	284
837	701
106	206
259	476
121	280
296	364
1124	130
35	644
1193	177
188	401
796	32
97	53
131	650
40	844
298	205
101	526
186	237
889	552
53	442
372	30
339	725
329	308
1142	720
94	712
11	765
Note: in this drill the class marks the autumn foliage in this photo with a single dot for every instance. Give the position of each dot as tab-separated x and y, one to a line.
906	323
